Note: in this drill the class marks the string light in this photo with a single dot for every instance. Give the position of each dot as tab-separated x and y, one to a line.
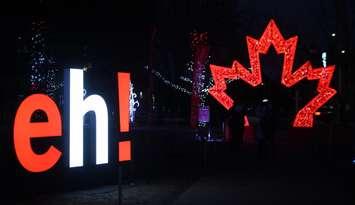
133	103
272	36
204	90
188	80
324	59
43	71
169	83
200	87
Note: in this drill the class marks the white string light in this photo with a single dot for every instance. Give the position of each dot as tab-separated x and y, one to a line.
169	83
203	87
133	103
43	72
188	80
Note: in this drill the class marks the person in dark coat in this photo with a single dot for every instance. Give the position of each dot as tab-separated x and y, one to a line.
236	126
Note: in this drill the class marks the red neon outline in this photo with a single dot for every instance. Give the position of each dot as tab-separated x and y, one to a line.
272	36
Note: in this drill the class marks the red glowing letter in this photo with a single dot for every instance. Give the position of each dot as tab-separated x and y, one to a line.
124	151
273	37
124	80
24	130
124	147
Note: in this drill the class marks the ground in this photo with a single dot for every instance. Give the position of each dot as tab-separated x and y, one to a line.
156	192
298	169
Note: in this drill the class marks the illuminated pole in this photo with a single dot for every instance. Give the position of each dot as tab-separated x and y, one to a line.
200	49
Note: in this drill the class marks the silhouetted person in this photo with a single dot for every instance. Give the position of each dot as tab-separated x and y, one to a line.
236	126
262	121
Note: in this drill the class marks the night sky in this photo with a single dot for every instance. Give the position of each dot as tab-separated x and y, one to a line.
118	33
114	35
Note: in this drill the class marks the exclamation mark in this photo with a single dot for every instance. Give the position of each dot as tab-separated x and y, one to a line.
124	147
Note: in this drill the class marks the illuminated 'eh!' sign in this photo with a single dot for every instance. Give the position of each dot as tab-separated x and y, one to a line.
272	36
25	130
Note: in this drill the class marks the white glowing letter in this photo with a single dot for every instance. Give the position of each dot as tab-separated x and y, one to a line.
78	108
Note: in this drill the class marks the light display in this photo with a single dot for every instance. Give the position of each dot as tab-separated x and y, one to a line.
169	83
125	97
124	151
38	58
124	80
133	103
200	55
199	61
324	59
204	87
78	108
272	36
43	76
188	80
25	130
50	125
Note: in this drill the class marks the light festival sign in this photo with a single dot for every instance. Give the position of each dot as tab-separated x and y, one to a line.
290	76
24	130
79	104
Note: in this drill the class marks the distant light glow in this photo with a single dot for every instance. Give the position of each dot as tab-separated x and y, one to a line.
343	51
333	34
353	161
324	59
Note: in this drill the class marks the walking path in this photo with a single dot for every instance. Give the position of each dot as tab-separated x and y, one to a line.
283	181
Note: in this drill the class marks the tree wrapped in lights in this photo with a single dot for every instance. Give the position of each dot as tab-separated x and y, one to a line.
196	79
200	51
43	69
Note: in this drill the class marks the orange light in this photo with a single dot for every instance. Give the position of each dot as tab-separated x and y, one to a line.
123	96
25	130
317	113
124	151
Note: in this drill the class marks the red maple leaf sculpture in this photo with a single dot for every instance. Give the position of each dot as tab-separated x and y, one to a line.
252	76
